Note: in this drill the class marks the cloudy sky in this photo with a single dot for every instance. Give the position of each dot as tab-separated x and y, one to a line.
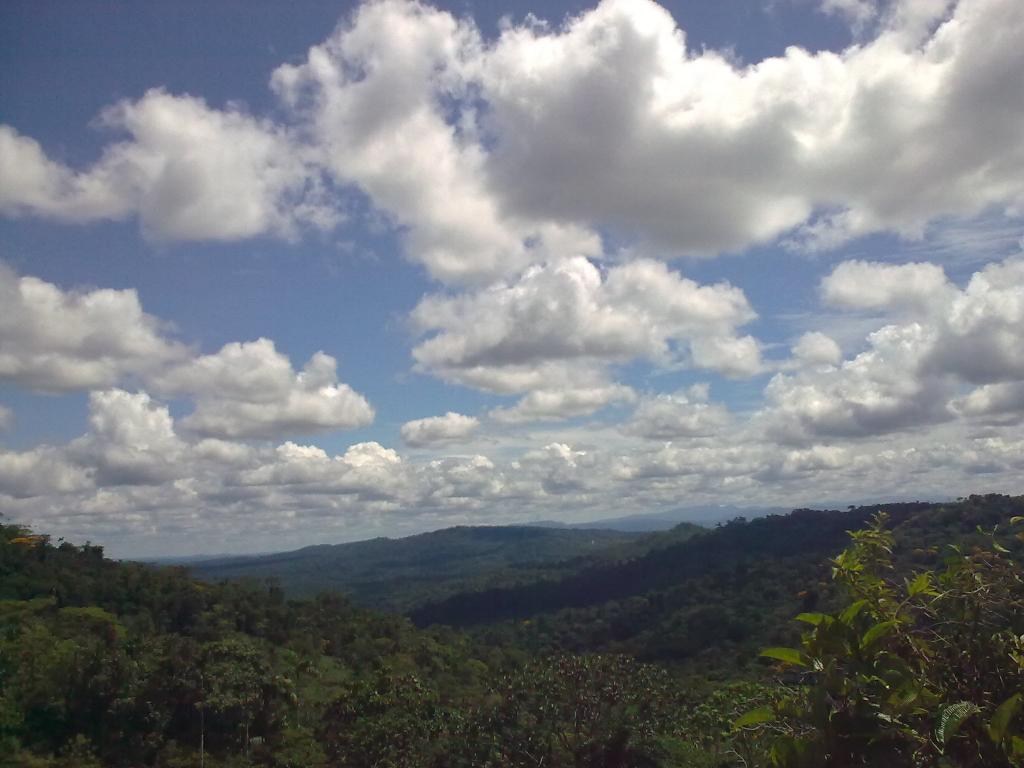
276	274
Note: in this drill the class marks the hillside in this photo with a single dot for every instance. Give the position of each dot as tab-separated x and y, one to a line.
716	598
663	521
920	616
396	574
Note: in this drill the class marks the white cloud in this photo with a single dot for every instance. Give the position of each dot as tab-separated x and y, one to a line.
250	390
856	12
1001	403
816	348
437	430
983	327
460	482
611	120
916	287
378	96
491	155
39	472
909	373
557	329
132	478
132	440
879	390
683	414
558	404
818	457
707	462
188	172
366	471
54	340
558	469
498	161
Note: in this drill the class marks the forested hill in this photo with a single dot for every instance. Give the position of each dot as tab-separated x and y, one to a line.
915	623
777	552
397	574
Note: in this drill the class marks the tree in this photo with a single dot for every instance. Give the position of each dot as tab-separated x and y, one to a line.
922	671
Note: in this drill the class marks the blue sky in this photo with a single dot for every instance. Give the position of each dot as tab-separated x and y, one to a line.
279	274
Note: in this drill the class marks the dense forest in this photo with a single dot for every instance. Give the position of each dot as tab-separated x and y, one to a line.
397	574
888	635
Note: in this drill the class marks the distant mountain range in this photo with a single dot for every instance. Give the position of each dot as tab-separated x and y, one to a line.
706	595
396	574
405	573
662	521
719	595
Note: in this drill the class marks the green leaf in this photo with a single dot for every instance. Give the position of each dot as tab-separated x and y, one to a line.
755	717
952	717
788	655
851	611
1003	716
812	618
788	751
1016	746
877	632
920	583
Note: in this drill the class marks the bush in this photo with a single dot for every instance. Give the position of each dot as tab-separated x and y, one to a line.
923	671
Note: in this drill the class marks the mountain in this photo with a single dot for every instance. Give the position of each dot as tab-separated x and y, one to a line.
644	654
663	521
396	574
715	597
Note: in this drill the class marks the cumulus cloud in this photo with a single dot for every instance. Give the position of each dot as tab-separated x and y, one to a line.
366	471
915	287
133	478
858	13
910	371
499	160
555	330
1000	403
672	416
132	440
435	430
378	97
675	460
41	471
558	404
186	170
816	348
876	392
251	390
53	340
611	119
819	457
983	327
490	155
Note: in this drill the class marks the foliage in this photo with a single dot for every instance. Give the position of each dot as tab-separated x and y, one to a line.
398	574
925	669
912	656
566	710
706	735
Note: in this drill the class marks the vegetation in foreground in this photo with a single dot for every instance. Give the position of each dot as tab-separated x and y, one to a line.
911	655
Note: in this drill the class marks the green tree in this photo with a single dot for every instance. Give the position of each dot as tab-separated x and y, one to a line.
925	670
383	721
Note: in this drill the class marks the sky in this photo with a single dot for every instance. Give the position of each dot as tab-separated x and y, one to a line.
277	274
